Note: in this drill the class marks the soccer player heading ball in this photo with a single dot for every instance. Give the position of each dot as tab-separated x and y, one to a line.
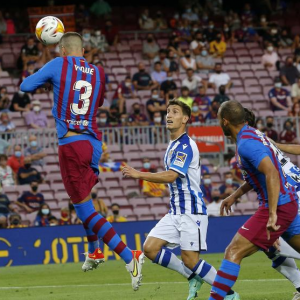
78	92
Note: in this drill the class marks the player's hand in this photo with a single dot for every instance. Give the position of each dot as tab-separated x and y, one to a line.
226	205
271	225
130	172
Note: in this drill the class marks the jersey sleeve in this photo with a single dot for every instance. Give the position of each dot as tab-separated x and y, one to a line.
181	161
253	152
43	75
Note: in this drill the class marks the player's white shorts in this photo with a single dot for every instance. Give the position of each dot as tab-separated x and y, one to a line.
187	231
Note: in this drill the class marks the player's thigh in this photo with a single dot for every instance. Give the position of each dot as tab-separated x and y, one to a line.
166	230
193	232
239	248
291	235
294	242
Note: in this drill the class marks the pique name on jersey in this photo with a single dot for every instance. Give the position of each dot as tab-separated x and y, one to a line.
84	69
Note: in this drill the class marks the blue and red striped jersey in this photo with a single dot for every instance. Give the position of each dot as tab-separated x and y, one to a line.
78	89
252	148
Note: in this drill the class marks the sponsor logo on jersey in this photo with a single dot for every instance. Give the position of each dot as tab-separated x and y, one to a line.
198	222
78	122
192	243
184	146
180	159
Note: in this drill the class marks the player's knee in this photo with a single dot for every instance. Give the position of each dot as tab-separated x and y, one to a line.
231	252
150	250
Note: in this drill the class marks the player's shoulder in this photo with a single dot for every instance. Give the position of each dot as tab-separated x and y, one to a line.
187	143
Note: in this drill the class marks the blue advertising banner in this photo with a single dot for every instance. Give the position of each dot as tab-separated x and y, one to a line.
62	244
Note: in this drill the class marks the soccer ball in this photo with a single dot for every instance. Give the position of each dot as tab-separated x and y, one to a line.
49	30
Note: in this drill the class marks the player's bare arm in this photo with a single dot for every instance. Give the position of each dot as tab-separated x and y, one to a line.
288	148
273	186
160	177
229	201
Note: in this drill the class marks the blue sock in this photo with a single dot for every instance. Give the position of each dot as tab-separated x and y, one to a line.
225	279
103	229
93	241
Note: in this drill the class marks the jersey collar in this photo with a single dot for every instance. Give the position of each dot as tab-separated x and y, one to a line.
241	131
171	141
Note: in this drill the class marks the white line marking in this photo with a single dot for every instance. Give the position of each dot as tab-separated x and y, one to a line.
120	284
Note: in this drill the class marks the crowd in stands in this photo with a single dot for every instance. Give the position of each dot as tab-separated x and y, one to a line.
192	63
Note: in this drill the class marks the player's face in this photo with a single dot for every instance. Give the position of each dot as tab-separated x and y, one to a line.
175	117
224	124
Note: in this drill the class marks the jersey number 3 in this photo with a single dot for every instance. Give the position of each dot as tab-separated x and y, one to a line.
84	97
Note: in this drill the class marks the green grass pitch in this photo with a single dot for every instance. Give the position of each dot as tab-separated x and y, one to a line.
257	281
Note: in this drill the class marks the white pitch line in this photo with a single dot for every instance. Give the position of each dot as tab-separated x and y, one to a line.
120	284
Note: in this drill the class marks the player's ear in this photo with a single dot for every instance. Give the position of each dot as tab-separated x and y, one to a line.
83	50
185	119
225	122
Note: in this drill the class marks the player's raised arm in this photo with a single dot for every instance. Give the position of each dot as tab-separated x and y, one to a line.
43	75
288	148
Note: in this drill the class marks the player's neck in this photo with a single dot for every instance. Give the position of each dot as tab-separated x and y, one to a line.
174	135
235	131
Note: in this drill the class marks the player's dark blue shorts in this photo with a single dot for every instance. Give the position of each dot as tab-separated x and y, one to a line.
79	157
293	230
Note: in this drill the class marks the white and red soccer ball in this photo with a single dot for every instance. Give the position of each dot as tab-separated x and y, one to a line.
49	30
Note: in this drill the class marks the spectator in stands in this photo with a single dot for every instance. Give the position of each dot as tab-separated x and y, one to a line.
162	58
228	187
65	218
270	60
15	221
236	172
174	45
20	102
205	62
210	32
295	112
116	217
288	135
156	105
279	97
189	15
150	47
53	221
157	120
213	113
160	22
99	42
74	219
185	98
221	97
137	118
247	14
31	200
111	33
203	101
35	152
16	160
28	70
270	132
142	80
158	75
6	126
206	188
145	22
174	65
29	53
4	146
6	208
3	27
259	124
168	85
192	81
219	78
42	216
125	90
227	34
151	189
183	30
28	174
99	204
197	117
6	174
217	47
296	91
272	36
286	40
213	208
197	44
36	119
187	62
289	73
4	100
246	34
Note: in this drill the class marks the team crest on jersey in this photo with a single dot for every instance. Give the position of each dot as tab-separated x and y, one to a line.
180	159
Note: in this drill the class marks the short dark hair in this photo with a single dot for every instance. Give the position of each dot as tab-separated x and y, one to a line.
189	69
186	110
3	156
157	63
233	111
184	88
250	117
115	204
227	173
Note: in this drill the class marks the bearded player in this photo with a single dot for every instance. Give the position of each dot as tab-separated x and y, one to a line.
78	92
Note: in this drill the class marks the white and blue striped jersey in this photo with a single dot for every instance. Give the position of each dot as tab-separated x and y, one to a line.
182	156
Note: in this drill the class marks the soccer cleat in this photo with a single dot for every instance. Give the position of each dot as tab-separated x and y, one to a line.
93	260
194	286
296	296
135	268
234	296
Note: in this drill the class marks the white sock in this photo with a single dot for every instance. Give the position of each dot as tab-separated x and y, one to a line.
169	260
286	250
205	271
288	268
